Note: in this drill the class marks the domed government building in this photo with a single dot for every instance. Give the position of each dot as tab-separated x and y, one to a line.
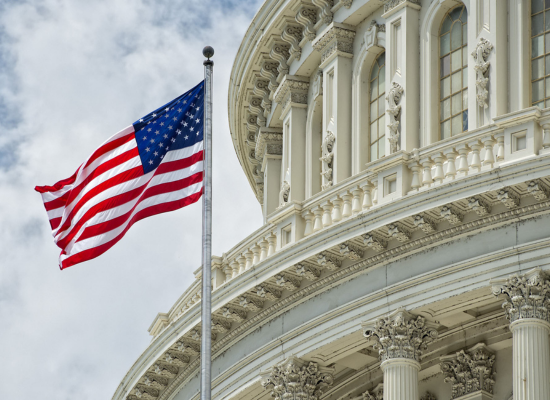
400	150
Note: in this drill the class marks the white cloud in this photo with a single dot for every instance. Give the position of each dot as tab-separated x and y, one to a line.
72	73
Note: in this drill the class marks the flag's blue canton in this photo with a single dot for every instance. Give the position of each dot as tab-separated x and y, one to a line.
173	126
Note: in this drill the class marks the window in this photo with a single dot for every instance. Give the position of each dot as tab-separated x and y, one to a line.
377	108
540	53
453	73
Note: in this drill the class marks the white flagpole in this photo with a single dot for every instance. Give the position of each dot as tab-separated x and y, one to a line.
206	310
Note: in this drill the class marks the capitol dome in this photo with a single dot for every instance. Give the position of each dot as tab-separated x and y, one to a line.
400	150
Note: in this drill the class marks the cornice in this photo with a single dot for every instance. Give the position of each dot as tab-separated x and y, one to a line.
336	39
292	91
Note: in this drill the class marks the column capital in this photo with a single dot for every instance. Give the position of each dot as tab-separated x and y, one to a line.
526	296
392	6
469	371
292	91
336	39
400	335
297	379
269	141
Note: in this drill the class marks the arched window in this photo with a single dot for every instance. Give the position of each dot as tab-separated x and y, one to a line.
540	52
377	108
453	73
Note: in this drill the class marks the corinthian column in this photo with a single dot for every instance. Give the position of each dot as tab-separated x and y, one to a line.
400	339
295	379
527	301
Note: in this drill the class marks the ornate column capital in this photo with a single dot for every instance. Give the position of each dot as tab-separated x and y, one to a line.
469	371
401	335
269	142
336	39
296	379
526	296
292	91
391	6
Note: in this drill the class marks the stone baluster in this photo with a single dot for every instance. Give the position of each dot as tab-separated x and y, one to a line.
256	254
475	163
272	240
427	171
489	158
242	263
318	222
297	379
367	195
500	147
463	167
451	155
228	271
416	182
327	213
337	209
527	302
264	247
439	175
234	268
346	210
308	217
249	256
400	339
356	201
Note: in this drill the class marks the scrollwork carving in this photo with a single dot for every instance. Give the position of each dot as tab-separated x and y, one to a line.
307	17
394	111
327	158
293	35
481	66
285	189
325	7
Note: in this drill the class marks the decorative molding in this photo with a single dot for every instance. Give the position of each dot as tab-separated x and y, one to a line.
307	17
269	71
374	242
297	379
371	38
268	142
451	214
261	88
252	303
336	39
394	111
328	261
234	314
307	271
268	292
292	34
428	396
526	296
425	223
292	90
400	335
287	281
481	66
327	158
375	394
508	197
317	89
280	53
325	7
391	4
469	371
538	189
284	193
479	206
351	251
399	232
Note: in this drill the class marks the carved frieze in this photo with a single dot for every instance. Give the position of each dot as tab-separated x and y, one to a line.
481	66
375	394
391	4
526	296
220	325
374	242
234	314
479	206
538	189
188	347
351	251
451	214
328	261
163	369
269	141
251	303
155	381
469	371
327	158
295	379
268	292
399	232
307	17
400	335
335	39
425	223
394	111
287	281
307	271
292	90
508	197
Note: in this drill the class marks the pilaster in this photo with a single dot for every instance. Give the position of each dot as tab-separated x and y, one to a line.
527	299
402	72
335	44
296	379
269	151
292	96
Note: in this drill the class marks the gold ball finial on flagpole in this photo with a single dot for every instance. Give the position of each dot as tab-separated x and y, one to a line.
208	52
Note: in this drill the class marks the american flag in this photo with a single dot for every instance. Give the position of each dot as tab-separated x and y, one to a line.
153	166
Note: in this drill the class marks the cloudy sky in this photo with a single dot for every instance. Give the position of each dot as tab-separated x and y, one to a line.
72	73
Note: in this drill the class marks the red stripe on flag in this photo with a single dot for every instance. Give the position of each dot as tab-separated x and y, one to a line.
59	202
147	212
58	185
54	222
109	146
179	164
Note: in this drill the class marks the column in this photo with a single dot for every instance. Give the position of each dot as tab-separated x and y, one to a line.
400	339
520	45
527	298
292	97
269	144
335	44
402	72
297	379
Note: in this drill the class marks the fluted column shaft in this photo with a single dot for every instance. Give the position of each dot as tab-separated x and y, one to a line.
400	379
531	357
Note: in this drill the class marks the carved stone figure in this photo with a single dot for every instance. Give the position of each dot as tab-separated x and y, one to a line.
285	189
394	111
327	158
480	55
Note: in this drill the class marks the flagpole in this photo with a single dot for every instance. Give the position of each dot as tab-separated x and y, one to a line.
206	310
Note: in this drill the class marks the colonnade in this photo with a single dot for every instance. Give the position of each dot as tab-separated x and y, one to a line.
401	337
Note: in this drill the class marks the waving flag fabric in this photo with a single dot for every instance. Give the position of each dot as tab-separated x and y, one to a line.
153	166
